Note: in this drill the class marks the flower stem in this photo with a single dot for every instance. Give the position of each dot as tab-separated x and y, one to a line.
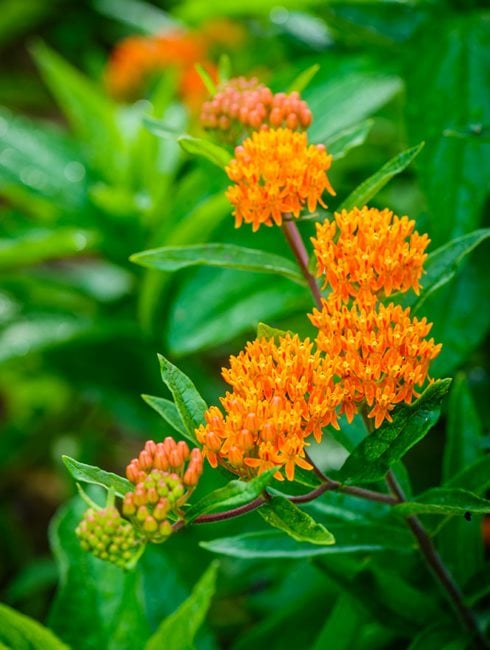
234	512
439	569
296	243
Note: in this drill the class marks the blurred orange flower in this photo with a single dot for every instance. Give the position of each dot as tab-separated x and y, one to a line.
277	174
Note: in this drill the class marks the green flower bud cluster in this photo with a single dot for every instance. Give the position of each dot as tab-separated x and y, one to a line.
105	534
157	497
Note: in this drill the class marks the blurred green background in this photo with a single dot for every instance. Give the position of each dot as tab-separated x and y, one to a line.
84	184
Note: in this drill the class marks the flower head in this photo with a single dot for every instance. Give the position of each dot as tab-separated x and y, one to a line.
105	534
381	353
364	252
282	393
165	475
276	173
247	103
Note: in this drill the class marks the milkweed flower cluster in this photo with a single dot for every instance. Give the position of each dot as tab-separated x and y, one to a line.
105	534
247	103
282	393
164	475
277	174
365	255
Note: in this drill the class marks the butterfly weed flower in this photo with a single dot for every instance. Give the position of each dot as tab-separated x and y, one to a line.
277	173
246	103
381	354
164	475
105	534
365	252
282	394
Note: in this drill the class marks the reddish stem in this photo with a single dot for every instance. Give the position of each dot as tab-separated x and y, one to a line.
295	241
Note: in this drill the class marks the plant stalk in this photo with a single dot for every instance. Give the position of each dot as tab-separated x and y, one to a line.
296	243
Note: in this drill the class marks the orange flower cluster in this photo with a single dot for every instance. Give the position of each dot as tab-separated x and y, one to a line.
248	103
364	252
282	394
380	351
165	475
137	57
276	173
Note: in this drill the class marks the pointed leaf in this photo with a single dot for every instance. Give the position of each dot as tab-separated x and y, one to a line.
159	128
365	192
442	265
339	144
303	79
169	413
372	458
475	477
206	79
282	514
200	147
224	68
97	476
268	332
445	501
349	538
20	632
173	258
178	630
236	493
189	403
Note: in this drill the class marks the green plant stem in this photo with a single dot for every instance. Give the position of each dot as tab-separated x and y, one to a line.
439	569
295	241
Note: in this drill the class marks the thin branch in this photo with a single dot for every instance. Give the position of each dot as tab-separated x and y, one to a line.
234	512
295	241
439	569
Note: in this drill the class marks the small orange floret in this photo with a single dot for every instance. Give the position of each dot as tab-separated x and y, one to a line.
366	252
381	353
276	173
282	393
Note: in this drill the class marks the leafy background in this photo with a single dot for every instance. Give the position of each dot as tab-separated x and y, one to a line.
84	184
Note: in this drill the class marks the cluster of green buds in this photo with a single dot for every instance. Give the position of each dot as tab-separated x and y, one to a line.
249	103
105	534
165	475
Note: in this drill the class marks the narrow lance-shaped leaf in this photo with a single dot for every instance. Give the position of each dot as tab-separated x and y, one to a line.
206	79
178	630
282	514
303	79
442	265
445	501
97	476
236	493
370	187
200	147
339	144
20	631
168	411
173	258
189	403
373	457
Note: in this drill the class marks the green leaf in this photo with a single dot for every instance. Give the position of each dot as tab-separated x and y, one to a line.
173	258
268	332
372	458
475	477
339	144
92	115
206	79
454	172
224	68
236	493
440	636
286	516
200	147
95	597
343	628
20	632
40	245
350	537
141	17
189	403
442	265
445	501
159	128
370	187
169	413
97	476
303	79
177	631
